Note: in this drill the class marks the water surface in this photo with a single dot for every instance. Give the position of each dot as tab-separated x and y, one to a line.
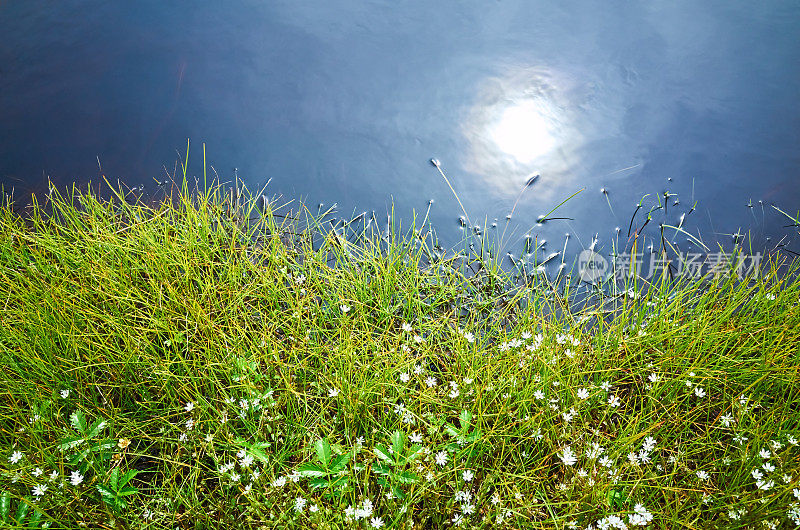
347	102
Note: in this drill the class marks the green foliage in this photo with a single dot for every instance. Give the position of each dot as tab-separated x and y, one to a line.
115	491
462	435
328	471
142	310
20	518
89	451
392	468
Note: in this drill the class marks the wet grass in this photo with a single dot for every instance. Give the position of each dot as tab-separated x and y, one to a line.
173	366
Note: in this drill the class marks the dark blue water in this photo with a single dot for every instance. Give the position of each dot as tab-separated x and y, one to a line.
348	101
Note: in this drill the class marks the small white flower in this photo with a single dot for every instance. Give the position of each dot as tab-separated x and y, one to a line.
299	504
653	378
765	485
65	393
605	385
75	478
189	407
699	392
418	369
406	327
469	336
15	457
538	394
416	438
39	489
613	400
246	461
726	420
405	377
279	482
376	522
454	393
313	508
703	475
418	339
53	475
333	392
567	456
37	472
583	393
467	475
765	453
345	308
441	458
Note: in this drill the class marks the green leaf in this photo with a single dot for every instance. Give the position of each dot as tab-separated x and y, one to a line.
406	477
414	452
106	493
127	490
127	477
310	469
340	462
259	454
78	457
319	482
78	421
96	427
398	493
102	445
474	435
398	439
5	505
35	519
113	477
22	511
616	499
382	453
69	442
382	470
323	451
452	431
465	418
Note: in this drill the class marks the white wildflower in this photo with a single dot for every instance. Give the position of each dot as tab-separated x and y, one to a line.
299	504
567	456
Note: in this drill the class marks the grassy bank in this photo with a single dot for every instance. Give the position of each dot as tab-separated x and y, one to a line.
160	370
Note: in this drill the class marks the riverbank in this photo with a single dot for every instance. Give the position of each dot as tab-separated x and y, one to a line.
160	371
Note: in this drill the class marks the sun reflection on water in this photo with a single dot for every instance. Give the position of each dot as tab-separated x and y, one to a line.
524	131
519	125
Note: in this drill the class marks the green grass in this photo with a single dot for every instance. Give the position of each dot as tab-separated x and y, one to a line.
193	375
